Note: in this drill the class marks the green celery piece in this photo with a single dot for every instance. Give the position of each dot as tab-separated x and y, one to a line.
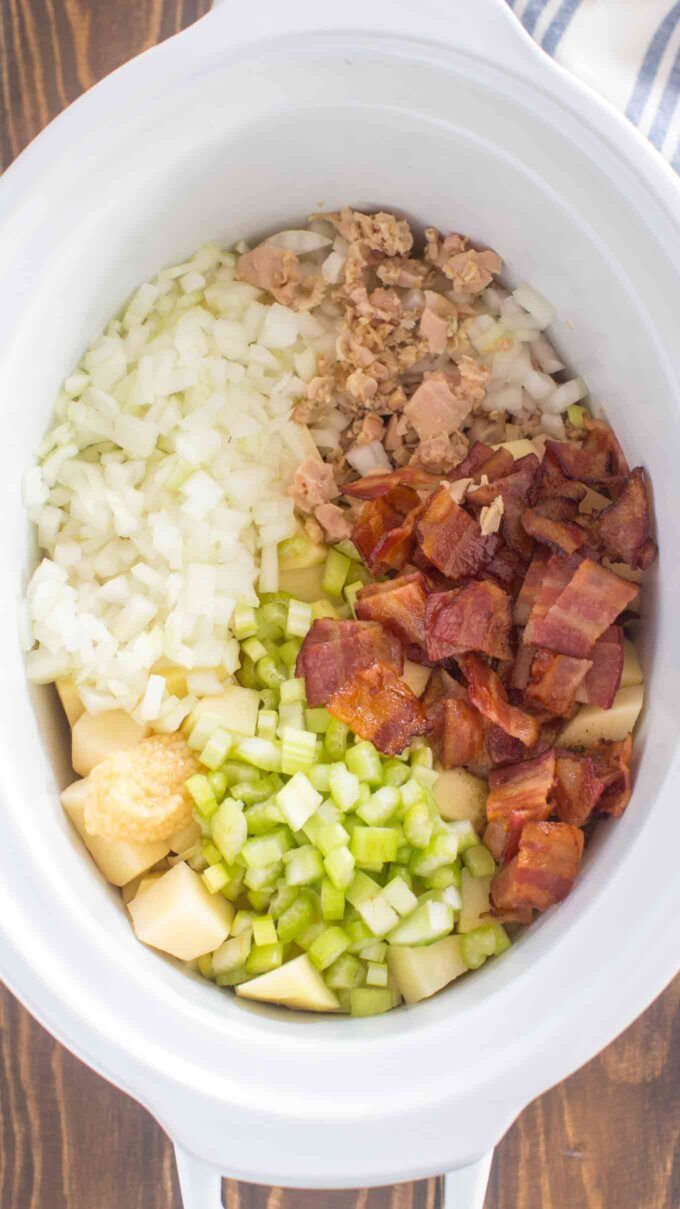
430	921
269	699
215	877
332	901
319	776
298	750
335	573
344	786
362	888
351	592
298	800
303	865
234	978
378	915
317	720
335	740
306	938
268	674
467	836
295	918
441	878
229	828
251	792
263	958
374	845
339	865
259	899
427	777
219	784
345	973
293	690
237	771
299	619
232	954
330	836
328	946
399	896
477	945
267	723
242	922
376	974
284	898
246	674
412	792
395	773
479	861
253	648
359	934
234	886
210	852
264	931
364	761
348	548
289	652
261	753
421	754
201	792
244	622
376	951
371	1001
381	806
263	878
441	850
418	824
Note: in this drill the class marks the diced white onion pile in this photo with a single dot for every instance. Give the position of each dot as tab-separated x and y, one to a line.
160	495
508	339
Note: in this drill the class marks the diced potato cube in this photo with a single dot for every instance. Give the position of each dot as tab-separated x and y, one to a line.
460	795
119	860
234	710
140	885
180	840
304	583
179	916
298	552
416	675
632	672
519	448
591	724
475	895
593	501
70	699
96	736
422	972
296	984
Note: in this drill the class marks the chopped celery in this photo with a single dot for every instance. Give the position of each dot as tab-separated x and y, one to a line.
441	850
335	573
319	776
293	690
424	776
395	773
418	824
284	898
263	877
215	877
479	861
399	896
359	934
298	750
441	878
328	946
267	723
477	945
250	792
331	835
411	792
345	973
234	886
332	901
267	672
364	793
218	783
272	616
201	792
430	921
339	865
378	915
261	753
229	828
401	871
266	849
576	415
305	939
263	958
233	978
303	865
363	760
216	749
211	853
243	922
502	938
362	888
246	674
350	593
335	740
253	648
298	916
264	931
344	785
323	608
375	951
202	730
376	974
374	846
298	800
421	754
291	714
232	954
381	806
262	817
299	619
371	1001
259	899
348	548
289	652
235	772
316	720
244	622
467	836
269	698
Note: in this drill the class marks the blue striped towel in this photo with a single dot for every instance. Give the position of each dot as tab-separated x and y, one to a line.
629	50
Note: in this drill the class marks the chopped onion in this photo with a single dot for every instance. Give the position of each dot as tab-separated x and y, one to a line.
543	352
536	304
333	267
554	426
325	438
563	396
539	386
301	242
365	458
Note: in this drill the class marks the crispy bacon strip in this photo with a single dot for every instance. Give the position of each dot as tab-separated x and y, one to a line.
557	573
395	548
544	870
377	519
604	678
598	460
398	604
550	481
472	618
439	688
554	681
514	490
483	459
550	522
501	837
450	538
612	766
500	748
508	567
378	706
586	607
577	787
531	585
523	788
489	696
463	734
624	528
333	650
372	486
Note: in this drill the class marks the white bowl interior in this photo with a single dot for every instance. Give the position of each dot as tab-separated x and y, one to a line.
238	149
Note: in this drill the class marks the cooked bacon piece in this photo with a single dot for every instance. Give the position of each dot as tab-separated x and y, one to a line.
439	688
577	787
507	567
518	915
334	650
530	587
550	481
554	681
544	870
604	678
374	485
624	527
488	694
598	460
612	766
583	610
550	522
396	547
377	519
450	538
523	788
521	668
514	490
472	618
463	736
500	748
483	459
398	604
501	837
378	706
555	576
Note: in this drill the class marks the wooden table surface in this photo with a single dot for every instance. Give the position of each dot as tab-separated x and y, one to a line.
608	1138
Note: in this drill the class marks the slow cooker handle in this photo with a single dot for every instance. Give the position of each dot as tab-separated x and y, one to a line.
201	1184
486	27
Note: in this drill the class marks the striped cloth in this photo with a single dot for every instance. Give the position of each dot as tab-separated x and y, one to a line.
629	50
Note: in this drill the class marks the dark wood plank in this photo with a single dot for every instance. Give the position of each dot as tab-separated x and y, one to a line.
605	1139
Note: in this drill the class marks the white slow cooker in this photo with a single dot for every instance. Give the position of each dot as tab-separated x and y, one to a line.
250	120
